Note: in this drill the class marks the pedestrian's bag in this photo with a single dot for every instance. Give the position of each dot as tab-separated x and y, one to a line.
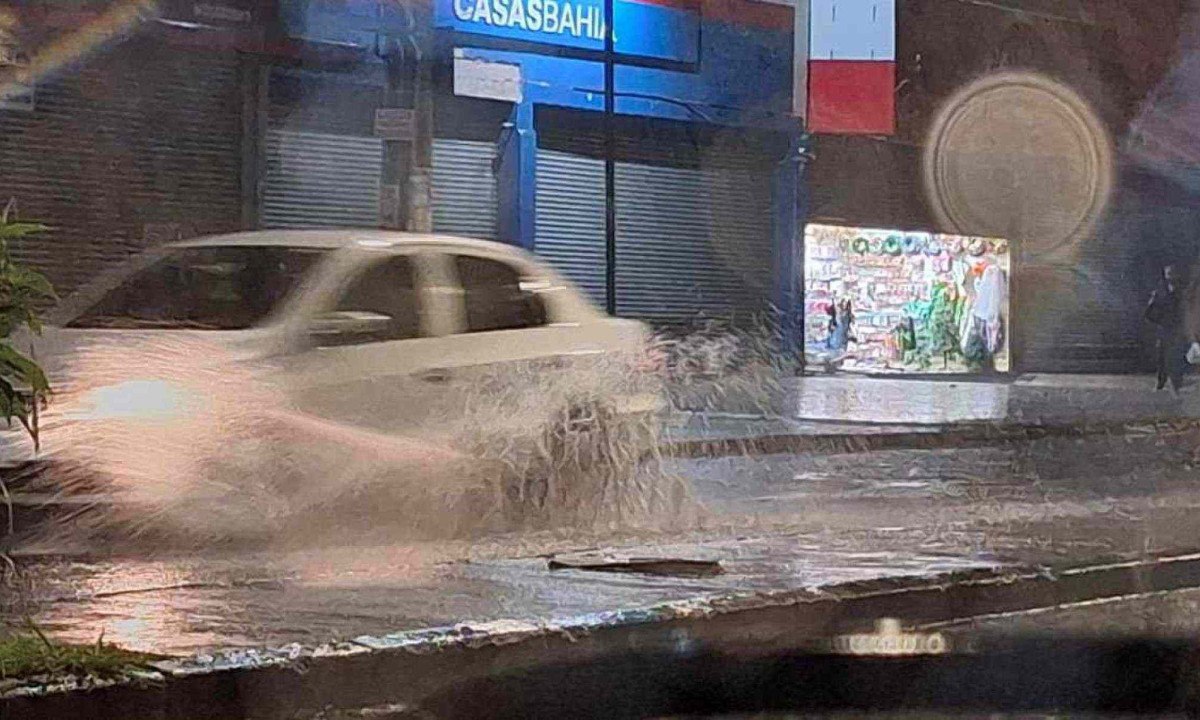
1193	354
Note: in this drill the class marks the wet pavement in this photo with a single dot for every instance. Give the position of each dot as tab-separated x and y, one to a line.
852	399
774	523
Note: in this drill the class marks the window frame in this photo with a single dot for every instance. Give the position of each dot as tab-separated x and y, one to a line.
526	273
359	263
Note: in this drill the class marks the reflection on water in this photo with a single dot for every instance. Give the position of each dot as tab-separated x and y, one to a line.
187	607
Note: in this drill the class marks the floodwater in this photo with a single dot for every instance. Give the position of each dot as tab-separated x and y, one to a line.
774	523
234	519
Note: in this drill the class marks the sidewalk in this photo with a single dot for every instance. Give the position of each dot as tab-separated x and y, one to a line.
1024	399
828	408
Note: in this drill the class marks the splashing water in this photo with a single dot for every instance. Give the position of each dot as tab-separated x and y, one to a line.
180	443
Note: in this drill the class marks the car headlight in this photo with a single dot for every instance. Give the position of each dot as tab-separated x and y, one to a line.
133	400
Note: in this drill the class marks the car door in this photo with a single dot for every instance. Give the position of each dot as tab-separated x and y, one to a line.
373	376
509	328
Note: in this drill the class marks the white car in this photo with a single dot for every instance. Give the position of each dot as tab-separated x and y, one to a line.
370	328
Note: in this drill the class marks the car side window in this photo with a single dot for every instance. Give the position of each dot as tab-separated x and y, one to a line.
389	288
494	297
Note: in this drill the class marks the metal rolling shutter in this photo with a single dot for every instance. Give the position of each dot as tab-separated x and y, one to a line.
136	145
692	242
464	188
321	180
570	218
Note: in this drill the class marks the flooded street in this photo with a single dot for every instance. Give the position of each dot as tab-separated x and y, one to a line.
774	523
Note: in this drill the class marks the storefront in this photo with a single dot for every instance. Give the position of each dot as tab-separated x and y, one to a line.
694	215
889	301
515	147
703	121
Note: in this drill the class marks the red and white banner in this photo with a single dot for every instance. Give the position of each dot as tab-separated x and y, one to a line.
852	67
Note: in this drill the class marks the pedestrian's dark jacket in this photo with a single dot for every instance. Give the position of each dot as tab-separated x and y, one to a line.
1165	311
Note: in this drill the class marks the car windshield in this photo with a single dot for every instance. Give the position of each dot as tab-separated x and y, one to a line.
203	288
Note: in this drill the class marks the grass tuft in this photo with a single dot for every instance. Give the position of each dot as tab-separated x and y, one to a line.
31	654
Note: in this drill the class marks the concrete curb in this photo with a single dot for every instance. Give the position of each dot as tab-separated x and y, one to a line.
959	435
402	669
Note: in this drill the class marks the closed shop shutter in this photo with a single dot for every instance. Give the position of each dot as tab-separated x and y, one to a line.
693	237
693	242
464	188
570	218
321	180
138	145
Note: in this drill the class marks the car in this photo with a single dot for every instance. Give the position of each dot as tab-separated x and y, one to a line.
373	329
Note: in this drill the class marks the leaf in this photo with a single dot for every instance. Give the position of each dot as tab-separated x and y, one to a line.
21	291
23	368
24	279
12	404
10	231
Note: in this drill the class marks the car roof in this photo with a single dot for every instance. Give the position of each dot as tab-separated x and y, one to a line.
344	238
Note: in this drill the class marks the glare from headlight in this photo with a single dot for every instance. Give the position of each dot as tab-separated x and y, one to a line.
134	400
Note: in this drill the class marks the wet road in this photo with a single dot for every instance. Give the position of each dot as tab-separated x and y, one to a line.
779	522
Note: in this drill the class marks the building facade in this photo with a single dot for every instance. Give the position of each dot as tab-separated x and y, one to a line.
484	119
1078	312
480	119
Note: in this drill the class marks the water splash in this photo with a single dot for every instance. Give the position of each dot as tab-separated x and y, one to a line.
179	442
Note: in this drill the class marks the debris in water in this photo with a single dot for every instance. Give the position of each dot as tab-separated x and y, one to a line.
682	567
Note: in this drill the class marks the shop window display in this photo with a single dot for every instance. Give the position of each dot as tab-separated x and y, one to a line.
881	300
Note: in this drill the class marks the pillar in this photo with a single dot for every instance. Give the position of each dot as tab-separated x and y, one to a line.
516	177
790	206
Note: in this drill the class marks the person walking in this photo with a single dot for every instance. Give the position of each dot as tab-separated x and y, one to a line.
1165	312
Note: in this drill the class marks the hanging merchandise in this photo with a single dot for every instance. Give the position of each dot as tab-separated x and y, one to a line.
936	332
903	339
840	324
974	343
933	247
966	283
977	246
913	244
991	297
876	245
893	245
861	245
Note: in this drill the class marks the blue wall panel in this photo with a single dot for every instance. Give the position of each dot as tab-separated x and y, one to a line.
743	77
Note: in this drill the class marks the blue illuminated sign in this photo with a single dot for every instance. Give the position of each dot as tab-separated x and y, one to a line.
642	29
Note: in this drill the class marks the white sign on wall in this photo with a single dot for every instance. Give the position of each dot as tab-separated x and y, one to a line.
486	79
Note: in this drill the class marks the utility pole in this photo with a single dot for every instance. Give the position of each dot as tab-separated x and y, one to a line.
610	168
396	154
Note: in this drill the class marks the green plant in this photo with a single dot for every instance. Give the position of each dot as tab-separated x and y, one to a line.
23	384
32	654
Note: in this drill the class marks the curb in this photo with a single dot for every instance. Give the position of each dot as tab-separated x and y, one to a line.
404	669
958	436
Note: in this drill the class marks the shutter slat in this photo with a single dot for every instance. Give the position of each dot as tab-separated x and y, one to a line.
464	188
693	238
321	180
